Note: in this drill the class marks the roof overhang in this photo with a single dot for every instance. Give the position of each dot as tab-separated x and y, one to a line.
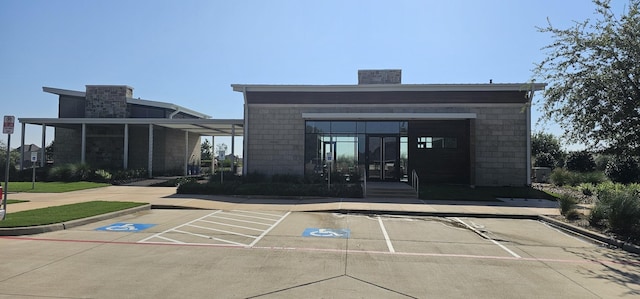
133	101
388	116
203	127
389	87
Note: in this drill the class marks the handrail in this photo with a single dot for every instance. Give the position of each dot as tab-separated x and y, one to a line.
415	182
364	192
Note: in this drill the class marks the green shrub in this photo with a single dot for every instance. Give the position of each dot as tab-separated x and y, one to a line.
587	189
102	175
593	178
545	160
566	203
601	161
581	161
60	173
561	177
287	178
271	189
620	207
254	177
623	169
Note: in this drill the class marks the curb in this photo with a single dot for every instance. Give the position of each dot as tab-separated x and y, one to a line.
592	235
32	230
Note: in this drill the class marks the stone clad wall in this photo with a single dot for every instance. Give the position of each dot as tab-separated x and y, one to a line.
501	146
107	101
276	138
67	146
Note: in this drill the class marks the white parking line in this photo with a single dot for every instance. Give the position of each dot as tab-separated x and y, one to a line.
232	223
177	227
244	221
222	231
268	230
386	236
487	237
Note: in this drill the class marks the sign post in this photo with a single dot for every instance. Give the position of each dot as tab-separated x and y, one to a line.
34	159
7	128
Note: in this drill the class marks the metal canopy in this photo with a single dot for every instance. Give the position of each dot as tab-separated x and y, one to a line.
203	127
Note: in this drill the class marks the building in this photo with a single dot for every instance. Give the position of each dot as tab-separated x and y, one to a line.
378	130
475	134
106	127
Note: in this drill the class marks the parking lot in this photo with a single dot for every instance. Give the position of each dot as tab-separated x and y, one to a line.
280	254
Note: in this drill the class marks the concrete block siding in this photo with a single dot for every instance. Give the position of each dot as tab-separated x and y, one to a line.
276	132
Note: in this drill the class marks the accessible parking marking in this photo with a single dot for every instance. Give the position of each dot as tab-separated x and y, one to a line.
234	228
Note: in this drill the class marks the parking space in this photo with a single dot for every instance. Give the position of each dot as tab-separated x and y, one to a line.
239	228
285	254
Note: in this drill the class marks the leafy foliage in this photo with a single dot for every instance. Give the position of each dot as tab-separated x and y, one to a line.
593	72
623	169
546	150
562	177
205	150
581	161
618	208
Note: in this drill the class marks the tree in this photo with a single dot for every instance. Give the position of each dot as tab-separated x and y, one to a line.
546	150
205	150
593	72
48	151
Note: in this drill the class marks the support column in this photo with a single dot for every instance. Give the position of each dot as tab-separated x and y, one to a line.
233	149
83	145
150	162
186	153
43	157
213	154
22	147
125	162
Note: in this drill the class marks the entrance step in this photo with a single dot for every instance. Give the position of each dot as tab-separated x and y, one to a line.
390	190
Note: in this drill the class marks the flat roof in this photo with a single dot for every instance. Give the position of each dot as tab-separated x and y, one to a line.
389	87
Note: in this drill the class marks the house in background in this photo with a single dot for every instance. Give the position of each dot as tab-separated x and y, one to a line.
26	152
106	127
383	130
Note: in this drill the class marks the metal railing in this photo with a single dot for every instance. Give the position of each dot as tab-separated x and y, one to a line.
415	182
364	189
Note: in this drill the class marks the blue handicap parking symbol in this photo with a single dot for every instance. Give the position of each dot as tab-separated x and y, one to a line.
125	227
326	233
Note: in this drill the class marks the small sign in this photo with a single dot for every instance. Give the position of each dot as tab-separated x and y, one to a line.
34	157
326	233
329	157
125	227
221	155
9	121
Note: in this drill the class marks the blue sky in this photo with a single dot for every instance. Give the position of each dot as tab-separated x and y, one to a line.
189	52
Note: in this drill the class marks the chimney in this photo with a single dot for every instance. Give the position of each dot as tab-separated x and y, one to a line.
379	77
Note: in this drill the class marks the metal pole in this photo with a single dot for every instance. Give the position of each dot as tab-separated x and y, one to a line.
6	176
33	177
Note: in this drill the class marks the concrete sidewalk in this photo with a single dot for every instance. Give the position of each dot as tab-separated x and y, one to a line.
167	197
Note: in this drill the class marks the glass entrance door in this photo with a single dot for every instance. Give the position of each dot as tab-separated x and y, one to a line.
383	158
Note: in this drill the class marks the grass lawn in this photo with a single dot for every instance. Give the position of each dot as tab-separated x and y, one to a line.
64	213
459	192
52	187
10	201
